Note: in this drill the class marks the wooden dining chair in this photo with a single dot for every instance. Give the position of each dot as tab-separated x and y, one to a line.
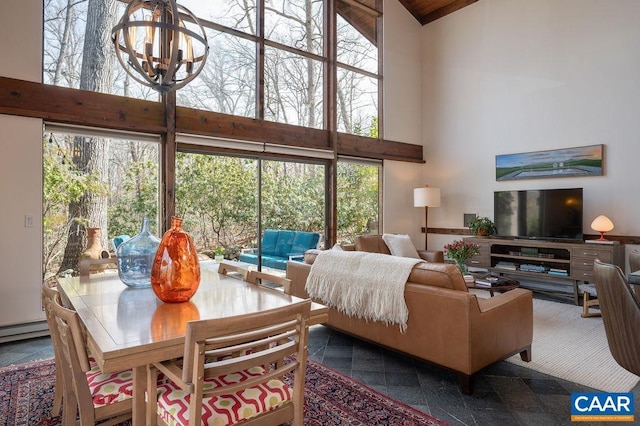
89	395
225	268
259	277
49	295
233	371
620	315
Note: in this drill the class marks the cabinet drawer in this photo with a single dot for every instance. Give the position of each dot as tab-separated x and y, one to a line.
591	254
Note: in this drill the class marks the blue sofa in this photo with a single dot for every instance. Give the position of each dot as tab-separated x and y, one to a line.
280	246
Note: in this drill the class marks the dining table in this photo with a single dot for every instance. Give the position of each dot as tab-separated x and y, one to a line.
129	328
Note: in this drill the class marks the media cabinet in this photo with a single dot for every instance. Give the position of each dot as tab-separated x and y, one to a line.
554	268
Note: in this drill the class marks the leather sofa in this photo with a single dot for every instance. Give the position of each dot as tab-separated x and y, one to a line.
447	326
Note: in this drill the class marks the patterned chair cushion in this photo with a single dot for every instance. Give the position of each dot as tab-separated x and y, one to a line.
107	388
173	403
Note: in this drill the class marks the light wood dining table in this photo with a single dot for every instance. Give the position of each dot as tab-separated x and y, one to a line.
130	328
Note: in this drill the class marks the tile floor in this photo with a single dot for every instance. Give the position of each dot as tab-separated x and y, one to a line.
504	394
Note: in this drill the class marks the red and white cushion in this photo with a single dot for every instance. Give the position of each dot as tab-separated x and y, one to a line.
173	403
107	388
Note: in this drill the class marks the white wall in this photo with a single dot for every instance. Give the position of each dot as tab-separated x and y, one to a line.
509	76
20	170
402	120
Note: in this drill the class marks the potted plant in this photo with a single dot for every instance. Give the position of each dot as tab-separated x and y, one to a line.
482	226
219	251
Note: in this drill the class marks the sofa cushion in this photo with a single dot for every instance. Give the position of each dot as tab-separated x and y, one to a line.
400	245
283	248
303	241
270	241
444	275
371	244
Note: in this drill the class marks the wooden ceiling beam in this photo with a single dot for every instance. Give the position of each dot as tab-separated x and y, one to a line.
79	107
445	10
99	110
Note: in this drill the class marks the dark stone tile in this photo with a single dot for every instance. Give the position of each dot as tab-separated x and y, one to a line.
402	379
338	352
370	378
408	395
338	339
443	397
492	417
482	400
456	415
546	386
368	364
341	364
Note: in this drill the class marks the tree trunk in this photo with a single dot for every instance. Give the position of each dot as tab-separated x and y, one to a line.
91	154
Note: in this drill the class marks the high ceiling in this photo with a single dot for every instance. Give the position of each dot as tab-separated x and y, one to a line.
426	11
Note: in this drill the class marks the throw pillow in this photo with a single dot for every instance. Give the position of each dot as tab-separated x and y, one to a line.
400	245
337	247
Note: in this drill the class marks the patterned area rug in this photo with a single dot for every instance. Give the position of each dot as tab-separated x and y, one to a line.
331	398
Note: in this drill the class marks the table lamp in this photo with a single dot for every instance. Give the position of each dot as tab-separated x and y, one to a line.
602	224
426	197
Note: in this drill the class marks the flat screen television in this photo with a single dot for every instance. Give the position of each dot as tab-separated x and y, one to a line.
549	214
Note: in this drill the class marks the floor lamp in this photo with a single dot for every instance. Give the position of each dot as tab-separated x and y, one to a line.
426	197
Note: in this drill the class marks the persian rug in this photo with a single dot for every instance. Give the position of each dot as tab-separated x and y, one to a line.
331	398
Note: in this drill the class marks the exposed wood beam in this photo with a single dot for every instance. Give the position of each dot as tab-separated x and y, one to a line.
73	106
443	11
242	128
83	108
359	146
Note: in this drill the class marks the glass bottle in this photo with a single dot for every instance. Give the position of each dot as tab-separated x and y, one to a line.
175	275
135	257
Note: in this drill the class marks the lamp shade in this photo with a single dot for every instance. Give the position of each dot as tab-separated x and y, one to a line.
426	197
602	224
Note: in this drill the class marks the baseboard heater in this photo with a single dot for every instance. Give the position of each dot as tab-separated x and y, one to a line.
23	331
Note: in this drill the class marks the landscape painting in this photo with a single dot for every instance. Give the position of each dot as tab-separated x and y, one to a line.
580	161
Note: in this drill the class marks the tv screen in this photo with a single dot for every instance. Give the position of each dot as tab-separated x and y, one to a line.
553	214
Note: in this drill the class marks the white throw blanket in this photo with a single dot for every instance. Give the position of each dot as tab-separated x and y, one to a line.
364	285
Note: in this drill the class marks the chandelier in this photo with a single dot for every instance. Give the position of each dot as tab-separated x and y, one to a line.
160	44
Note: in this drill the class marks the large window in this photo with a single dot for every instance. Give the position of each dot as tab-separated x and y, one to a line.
359	203
221	197
288	57
94	180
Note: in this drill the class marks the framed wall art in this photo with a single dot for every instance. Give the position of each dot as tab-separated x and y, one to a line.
566	162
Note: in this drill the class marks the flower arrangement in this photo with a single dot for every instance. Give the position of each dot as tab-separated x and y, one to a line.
460	251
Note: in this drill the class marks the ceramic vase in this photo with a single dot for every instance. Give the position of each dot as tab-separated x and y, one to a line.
175	274
94	248
135	257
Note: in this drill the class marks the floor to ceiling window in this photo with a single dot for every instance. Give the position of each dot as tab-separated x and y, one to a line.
228	201
95	180
358	203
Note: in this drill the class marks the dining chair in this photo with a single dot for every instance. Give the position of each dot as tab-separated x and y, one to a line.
247	369
89	395
225	267
49	295
620	315
259	277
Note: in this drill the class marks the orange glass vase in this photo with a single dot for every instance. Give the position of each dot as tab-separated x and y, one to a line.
175	273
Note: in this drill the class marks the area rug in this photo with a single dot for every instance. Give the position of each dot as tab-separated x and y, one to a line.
331	398
573	348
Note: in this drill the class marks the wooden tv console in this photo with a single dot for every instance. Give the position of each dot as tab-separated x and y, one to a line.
554	268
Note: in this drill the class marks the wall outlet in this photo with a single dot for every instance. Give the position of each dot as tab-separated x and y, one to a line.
28	221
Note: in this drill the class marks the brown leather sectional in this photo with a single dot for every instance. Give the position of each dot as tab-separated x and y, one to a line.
447	326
